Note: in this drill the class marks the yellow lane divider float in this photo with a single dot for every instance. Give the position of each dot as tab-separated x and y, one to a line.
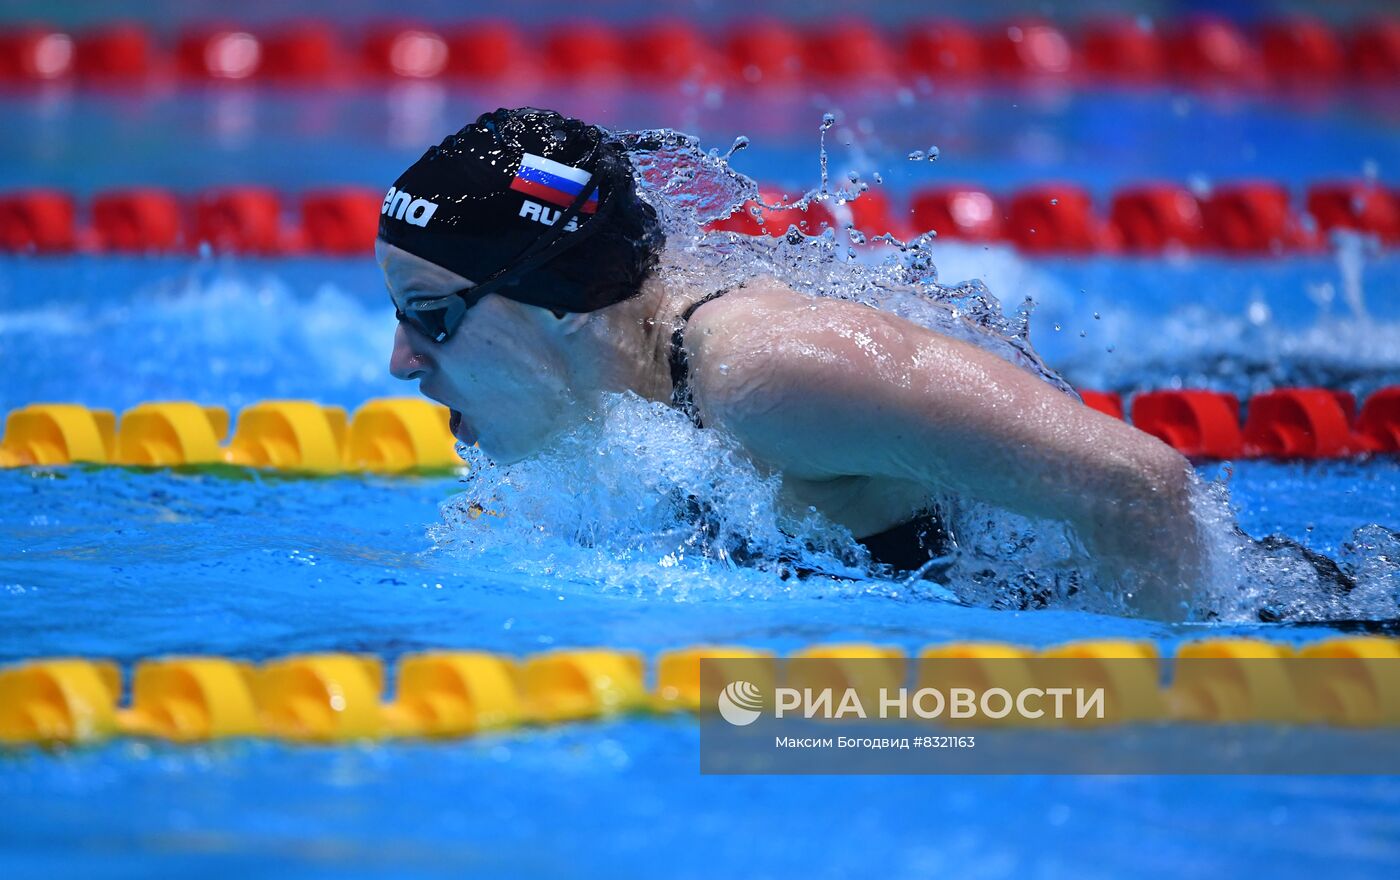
385	435
340	697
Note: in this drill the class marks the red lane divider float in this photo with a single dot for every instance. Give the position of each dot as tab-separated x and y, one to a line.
1243	219
37	220
1202	51
1125	50
1297	423
338	221
1155	217
1056	218
1201	424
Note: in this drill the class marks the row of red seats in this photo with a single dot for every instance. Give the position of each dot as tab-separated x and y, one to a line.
1246	218
1284	423
1205	50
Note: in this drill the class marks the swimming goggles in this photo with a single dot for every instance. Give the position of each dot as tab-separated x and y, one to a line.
439	317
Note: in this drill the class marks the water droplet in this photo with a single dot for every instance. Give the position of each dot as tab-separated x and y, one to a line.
1096	316
853	177
1082	334
559	135
1057	328
1054	201
933	154
916	156
828	120
878	178
856	235
724	368
1111	349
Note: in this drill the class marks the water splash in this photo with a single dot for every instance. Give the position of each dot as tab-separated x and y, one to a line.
690	189
652	503
638	500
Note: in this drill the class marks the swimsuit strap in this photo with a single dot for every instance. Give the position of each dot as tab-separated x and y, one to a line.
680	362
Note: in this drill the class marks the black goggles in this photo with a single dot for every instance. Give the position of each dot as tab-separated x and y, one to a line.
438	318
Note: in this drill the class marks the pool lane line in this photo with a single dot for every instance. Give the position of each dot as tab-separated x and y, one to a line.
399	435
331	698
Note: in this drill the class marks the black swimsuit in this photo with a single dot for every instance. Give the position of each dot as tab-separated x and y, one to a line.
906	547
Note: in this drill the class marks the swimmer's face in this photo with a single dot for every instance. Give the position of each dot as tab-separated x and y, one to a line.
501	372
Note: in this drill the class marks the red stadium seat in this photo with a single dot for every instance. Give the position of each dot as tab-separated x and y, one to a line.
1154	217
117	53
35	54
1054	218
958	212
341	221
1123	49
764	52
408	50
1029	47
136	220
1251	218
484	49
36	221
942	49
245	220
1297	423
1364	207
1301	51
1199	424
219	53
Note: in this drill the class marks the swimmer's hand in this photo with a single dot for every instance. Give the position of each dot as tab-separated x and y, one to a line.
827	389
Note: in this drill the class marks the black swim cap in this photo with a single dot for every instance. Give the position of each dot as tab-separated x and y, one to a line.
541	206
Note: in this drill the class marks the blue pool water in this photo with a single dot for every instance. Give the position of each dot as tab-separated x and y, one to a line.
128	565
999	138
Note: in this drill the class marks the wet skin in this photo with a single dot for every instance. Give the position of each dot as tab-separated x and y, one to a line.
863	414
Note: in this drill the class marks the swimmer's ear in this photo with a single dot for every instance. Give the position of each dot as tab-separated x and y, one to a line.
563	323
571	322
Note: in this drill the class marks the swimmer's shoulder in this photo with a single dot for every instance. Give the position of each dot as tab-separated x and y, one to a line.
759	349
762	304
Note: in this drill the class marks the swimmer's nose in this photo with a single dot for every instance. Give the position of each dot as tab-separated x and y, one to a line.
406	362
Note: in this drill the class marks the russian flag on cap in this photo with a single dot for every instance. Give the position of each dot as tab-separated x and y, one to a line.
553	182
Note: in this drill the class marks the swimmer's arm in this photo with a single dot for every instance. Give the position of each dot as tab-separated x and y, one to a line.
861	393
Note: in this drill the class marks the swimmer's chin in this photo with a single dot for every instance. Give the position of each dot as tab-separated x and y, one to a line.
501	453
461	430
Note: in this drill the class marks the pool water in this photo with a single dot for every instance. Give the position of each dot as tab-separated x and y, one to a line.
131	564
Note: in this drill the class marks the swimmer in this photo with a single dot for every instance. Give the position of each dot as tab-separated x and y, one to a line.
524	269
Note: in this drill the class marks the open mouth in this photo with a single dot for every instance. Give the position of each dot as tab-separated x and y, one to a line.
460	431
